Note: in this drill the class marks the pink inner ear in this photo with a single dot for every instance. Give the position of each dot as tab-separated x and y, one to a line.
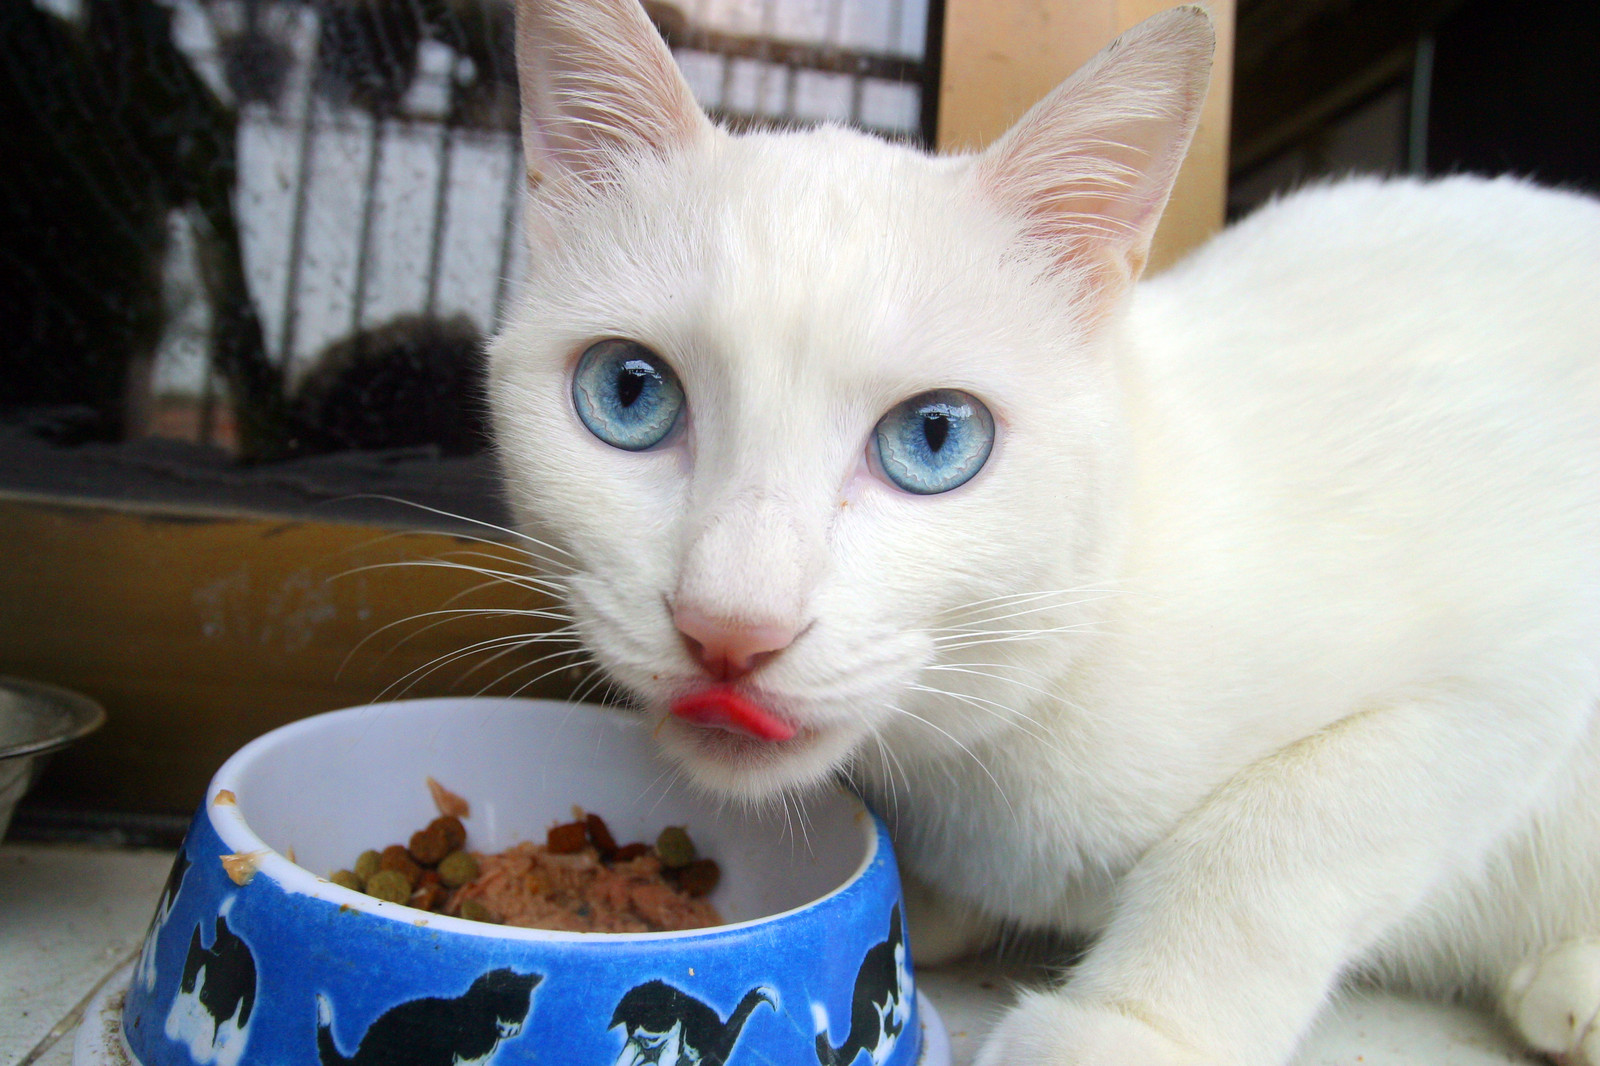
723	708
597	84
1091	165
1092	196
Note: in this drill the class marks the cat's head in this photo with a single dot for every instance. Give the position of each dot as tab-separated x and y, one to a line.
824	430
508	995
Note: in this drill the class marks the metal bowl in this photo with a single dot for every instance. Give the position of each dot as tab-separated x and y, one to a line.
36	720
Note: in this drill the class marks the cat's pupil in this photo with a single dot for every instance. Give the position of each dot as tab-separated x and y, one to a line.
630	383
935	428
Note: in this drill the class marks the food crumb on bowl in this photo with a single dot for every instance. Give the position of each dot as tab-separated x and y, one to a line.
241	866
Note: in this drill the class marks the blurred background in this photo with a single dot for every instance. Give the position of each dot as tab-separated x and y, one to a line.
269	226
265	227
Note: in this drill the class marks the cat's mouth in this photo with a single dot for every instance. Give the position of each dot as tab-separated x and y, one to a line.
732	750
720	707
734	729
738	740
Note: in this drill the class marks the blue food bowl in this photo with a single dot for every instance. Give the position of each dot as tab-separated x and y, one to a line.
254	958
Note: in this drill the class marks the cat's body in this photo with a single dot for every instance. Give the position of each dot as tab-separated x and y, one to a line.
879	1006
666	1026
464	1030
216	996
1337	514
1264	643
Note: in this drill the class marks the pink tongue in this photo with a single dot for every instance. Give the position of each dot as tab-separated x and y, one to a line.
722	708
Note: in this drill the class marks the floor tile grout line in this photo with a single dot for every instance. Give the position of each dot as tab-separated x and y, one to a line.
70	1020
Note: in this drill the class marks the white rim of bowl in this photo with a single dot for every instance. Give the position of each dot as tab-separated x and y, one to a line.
230	825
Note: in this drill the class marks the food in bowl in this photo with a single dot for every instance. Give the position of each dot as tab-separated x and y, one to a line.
580	879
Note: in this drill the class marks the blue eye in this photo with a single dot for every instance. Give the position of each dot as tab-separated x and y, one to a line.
626	394
935	441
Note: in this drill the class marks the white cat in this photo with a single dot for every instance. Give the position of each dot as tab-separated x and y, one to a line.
1247	617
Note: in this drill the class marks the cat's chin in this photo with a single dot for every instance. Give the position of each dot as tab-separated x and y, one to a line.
738	765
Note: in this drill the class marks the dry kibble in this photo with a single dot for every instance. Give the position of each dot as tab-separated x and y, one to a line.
396	858
458	868
368	863
429	845
473	911
700	877
390	885
428	897
346	879
567	838
674	847
628	852
600	836
454	832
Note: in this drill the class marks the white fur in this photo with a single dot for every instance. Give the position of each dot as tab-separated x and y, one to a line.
1266	646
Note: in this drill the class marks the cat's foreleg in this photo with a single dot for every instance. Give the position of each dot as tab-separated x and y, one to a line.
1230	933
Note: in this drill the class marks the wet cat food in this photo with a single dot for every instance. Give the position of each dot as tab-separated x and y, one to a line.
580	879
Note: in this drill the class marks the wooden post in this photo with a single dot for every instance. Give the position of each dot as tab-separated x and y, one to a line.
1001	56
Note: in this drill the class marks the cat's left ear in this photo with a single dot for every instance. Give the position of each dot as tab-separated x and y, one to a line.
598	86
1091	165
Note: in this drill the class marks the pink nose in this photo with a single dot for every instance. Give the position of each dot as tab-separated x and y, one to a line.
727	649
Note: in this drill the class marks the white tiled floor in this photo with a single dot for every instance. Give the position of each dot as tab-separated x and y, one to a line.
70	916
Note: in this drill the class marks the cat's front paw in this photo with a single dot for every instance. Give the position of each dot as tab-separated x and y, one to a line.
1554	1001
1054	1029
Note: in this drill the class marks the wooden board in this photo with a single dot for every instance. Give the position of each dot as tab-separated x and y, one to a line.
201	631
1001	56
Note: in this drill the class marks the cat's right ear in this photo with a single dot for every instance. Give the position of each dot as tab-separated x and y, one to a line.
1089	168
598	86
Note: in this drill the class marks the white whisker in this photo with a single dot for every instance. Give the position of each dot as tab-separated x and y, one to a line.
1005	636
1008	714
557	584
891	764
518	534
520	580
529	664
591	685
439	662
979	624
968	751
525	686
451	615
970	668
1011	598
